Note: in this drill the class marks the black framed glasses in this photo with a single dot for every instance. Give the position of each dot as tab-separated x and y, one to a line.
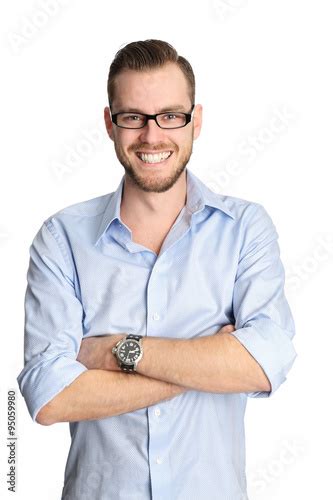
168	120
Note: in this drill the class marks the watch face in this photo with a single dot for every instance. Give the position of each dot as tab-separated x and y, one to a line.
129	352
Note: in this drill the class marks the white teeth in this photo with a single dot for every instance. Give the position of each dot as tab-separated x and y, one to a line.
154	158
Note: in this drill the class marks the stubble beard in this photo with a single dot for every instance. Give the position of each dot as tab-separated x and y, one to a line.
152	184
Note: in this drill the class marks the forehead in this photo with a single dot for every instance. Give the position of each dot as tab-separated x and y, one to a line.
151	88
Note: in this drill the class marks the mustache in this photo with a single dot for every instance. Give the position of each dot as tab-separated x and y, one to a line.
150	147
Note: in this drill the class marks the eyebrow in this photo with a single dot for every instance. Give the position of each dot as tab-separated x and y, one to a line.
177	107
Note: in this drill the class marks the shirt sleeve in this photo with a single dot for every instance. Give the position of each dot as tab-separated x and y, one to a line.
263	320
53	322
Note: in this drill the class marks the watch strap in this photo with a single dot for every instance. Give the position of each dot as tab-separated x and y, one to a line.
134	337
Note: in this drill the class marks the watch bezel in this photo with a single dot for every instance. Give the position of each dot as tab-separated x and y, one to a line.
118	346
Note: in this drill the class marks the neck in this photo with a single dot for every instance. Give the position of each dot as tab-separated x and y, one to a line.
138	206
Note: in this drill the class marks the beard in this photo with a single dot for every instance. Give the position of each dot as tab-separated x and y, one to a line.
155	183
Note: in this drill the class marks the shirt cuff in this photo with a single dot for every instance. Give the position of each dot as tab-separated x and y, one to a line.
41	380
272	348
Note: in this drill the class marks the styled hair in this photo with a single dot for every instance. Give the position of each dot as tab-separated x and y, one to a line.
148	54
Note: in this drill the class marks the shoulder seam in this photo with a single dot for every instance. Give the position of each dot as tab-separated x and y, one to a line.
50	226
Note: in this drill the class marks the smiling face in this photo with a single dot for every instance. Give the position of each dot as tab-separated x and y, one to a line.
153	91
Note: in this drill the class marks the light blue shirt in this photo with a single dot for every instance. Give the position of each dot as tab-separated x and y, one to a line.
219	264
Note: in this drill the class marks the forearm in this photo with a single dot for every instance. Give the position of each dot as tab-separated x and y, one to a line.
97	394
215	363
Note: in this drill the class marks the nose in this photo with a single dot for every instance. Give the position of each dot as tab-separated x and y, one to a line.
151	132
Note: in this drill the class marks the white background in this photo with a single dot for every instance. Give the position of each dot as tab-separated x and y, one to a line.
255	61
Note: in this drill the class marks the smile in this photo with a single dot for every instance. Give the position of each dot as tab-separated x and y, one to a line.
154	158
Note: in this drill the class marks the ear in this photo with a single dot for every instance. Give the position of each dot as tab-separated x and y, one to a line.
108	122
197	120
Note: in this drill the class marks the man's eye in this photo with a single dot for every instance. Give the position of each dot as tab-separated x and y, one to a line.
172	117
133	118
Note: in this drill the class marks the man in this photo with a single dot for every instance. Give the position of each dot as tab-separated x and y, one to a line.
154	311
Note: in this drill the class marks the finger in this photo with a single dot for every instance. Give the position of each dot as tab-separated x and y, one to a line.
228	329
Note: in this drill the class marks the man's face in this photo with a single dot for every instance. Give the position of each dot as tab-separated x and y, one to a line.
151	92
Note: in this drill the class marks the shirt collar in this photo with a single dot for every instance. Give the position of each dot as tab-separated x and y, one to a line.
198	196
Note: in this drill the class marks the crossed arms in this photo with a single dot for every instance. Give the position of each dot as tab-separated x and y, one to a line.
215	363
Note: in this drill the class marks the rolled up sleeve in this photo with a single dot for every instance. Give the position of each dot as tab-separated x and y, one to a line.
53	322
263	320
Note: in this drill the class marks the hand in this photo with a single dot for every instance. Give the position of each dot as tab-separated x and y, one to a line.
96	352
227	329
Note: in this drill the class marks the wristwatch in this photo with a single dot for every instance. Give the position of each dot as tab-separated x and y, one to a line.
128	352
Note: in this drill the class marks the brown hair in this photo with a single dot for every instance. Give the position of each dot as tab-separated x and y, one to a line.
143	55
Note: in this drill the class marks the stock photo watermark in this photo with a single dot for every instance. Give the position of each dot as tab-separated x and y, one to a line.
300	273
11	476
4	236
247	150
31	25
225	9
76	154
272	470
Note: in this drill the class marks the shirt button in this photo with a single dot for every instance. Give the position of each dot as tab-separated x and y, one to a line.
159	460
157	412
156	316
